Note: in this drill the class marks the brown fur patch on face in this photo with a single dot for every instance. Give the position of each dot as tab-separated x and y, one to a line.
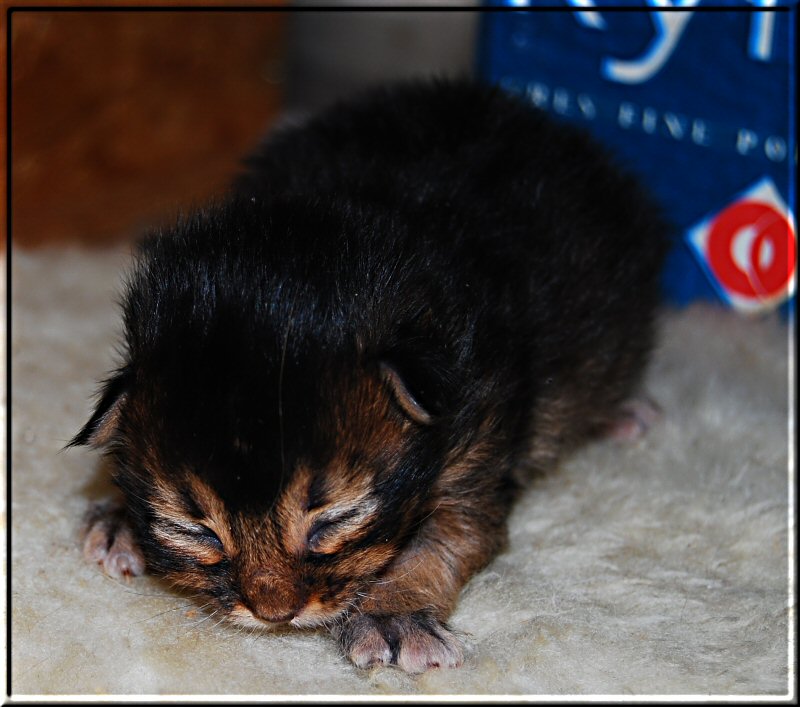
188	543
324	511
185	512
352	574
290	511
216	516
368	421
340	524
292	562
369	435
326	528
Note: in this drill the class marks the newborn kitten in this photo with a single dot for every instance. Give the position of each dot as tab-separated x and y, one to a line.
330	376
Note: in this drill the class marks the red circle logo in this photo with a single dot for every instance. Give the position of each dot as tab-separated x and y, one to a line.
751	249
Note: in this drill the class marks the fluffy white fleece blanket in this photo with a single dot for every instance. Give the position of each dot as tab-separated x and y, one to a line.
663	567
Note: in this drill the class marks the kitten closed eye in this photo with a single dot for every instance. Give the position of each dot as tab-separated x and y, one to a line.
332	529
206	535
193	539
321	531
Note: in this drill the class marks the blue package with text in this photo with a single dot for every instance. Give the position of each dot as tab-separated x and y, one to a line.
699	102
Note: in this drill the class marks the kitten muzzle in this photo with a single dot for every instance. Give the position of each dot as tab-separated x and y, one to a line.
273	598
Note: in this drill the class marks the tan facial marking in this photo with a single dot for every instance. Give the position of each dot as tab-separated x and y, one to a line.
189	542
291	513
350	509
217	517
185	534
345	520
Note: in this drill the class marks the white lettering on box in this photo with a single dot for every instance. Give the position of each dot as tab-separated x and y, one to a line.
626	114
762	28
675	125
775	148
560	101
587	107
669	28
746	141
649	120
700	132
538	94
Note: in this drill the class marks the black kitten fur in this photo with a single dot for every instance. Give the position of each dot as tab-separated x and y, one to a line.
495	261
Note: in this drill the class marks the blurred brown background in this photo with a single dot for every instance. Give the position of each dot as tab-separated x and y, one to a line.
121	118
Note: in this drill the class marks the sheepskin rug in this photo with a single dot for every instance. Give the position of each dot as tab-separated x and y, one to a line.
659	567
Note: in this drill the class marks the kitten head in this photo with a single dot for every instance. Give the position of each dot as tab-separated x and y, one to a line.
279	504
275	443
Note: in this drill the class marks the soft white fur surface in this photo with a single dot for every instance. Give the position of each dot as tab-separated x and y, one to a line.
654	568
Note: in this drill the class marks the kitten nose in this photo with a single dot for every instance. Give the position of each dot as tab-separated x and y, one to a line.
273	598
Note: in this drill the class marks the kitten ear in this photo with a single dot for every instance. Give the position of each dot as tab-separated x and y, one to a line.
405	398
103	423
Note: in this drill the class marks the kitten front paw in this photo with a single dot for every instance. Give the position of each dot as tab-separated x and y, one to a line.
109	542
412	642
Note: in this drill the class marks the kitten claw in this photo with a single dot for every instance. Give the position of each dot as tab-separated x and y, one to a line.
109	543
412	642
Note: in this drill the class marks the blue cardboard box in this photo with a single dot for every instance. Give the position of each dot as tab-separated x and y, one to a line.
698	101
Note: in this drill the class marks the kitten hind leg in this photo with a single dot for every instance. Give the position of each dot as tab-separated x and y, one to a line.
109	542
635	417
